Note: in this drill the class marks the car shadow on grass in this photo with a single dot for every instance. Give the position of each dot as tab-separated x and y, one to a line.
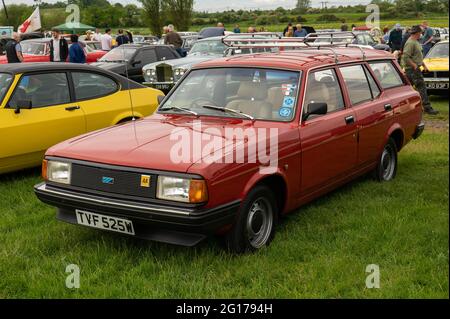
21	175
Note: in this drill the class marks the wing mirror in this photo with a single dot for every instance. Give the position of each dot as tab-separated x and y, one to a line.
160	99
316	109
136	63
22	104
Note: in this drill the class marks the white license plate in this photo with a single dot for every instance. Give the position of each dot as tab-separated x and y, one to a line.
115	224
437	86
162	86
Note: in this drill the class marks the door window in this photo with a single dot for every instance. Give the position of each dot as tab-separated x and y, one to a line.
323	87
42	90
373	85
165	53
92	85
356	81
146	56
387	74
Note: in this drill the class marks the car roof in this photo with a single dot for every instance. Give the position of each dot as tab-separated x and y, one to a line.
18	68
298	59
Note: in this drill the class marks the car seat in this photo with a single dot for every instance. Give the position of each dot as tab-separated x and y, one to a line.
251	99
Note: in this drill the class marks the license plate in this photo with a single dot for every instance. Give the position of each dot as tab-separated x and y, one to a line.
162	86
438	86
99	221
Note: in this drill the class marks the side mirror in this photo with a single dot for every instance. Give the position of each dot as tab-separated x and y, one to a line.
160	99
136	63
316	109
22	104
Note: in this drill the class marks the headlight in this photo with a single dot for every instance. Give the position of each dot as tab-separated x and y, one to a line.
150	75
57	172
182	190
178	73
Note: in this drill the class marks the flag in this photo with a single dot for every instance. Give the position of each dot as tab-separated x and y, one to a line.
33	23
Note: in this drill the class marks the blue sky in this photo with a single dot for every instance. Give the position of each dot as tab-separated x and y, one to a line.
216	5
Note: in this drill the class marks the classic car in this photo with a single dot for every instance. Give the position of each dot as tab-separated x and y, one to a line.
164	75
436	61
42	104
359	38
39	51
318	119
128	60
188	41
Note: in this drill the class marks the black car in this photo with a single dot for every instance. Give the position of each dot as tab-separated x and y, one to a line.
128	60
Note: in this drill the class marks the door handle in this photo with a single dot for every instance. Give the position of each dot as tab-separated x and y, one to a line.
388	107
72	108
349	120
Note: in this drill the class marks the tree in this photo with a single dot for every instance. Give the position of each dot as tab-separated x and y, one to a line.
413	6
180	13
303	6
17	14
154	15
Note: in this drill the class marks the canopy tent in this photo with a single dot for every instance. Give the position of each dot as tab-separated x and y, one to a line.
74	27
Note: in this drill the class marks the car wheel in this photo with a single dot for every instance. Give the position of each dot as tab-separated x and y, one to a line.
387	166
255	225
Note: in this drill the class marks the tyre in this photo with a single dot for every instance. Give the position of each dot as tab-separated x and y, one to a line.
255	224
387	165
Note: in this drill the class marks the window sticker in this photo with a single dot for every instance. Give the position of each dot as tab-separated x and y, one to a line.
288	102
285	112
288	89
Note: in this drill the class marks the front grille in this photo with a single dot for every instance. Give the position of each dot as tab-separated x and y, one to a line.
164	73
112	181
438	74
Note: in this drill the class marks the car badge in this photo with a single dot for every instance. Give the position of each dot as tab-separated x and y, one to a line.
145	181
107	180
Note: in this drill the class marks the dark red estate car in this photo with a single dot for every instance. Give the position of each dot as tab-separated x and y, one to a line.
38	50
238	143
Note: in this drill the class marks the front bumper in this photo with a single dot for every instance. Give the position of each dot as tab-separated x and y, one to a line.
437	83
418	131
173	225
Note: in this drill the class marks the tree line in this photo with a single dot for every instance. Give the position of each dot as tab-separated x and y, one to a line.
154	14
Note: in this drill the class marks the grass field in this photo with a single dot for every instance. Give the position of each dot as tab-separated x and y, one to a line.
319	252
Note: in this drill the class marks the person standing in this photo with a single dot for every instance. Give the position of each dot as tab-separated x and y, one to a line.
59	49
300	32
122	38
14	49
290	32
289	26
427	38
130	36
106	40
173	38
77	54
412	60
237	29
395	38
97	36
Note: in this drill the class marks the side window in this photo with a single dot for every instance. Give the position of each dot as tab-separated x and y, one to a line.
373	85
356	82
148	56
91	85
323	87
165	53
42	90
387	74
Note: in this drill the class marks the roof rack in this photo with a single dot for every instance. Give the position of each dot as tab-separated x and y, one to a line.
274	40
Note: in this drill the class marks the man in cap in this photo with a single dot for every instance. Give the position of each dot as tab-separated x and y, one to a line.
395	38
412	60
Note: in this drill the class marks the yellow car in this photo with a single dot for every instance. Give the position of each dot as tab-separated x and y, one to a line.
437	79
42	104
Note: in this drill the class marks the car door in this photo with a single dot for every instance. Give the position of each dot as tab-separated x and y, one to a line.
143	57
329	144
52	118
373	110
102	99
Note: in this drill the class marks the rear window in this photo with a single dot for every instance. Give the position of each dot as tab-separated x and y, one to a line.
387	74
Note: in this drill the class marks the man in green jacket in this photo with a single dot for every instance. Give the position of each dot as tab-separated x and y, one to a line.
412	60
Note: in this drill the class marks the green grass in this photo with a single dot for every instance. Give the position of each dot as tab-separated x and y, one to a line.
319	252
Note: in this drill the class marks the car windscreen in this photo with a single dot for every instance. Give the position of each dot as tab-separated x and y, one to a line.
5	82
213	47
439	51
262	94
119	54
33	48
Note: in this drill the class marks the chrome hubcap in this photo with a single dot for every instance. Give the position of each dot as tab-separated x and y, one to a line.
388	163
259	223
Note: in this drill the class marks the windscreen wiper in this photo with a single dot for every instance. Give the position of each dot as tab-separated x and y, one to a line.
226	109
179	109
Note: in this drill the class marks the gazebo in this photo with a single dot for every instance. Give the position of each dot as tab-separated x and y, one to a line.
74	27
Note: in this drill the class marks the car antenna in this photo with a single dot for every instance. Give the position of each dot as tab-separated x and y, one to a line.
128	84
